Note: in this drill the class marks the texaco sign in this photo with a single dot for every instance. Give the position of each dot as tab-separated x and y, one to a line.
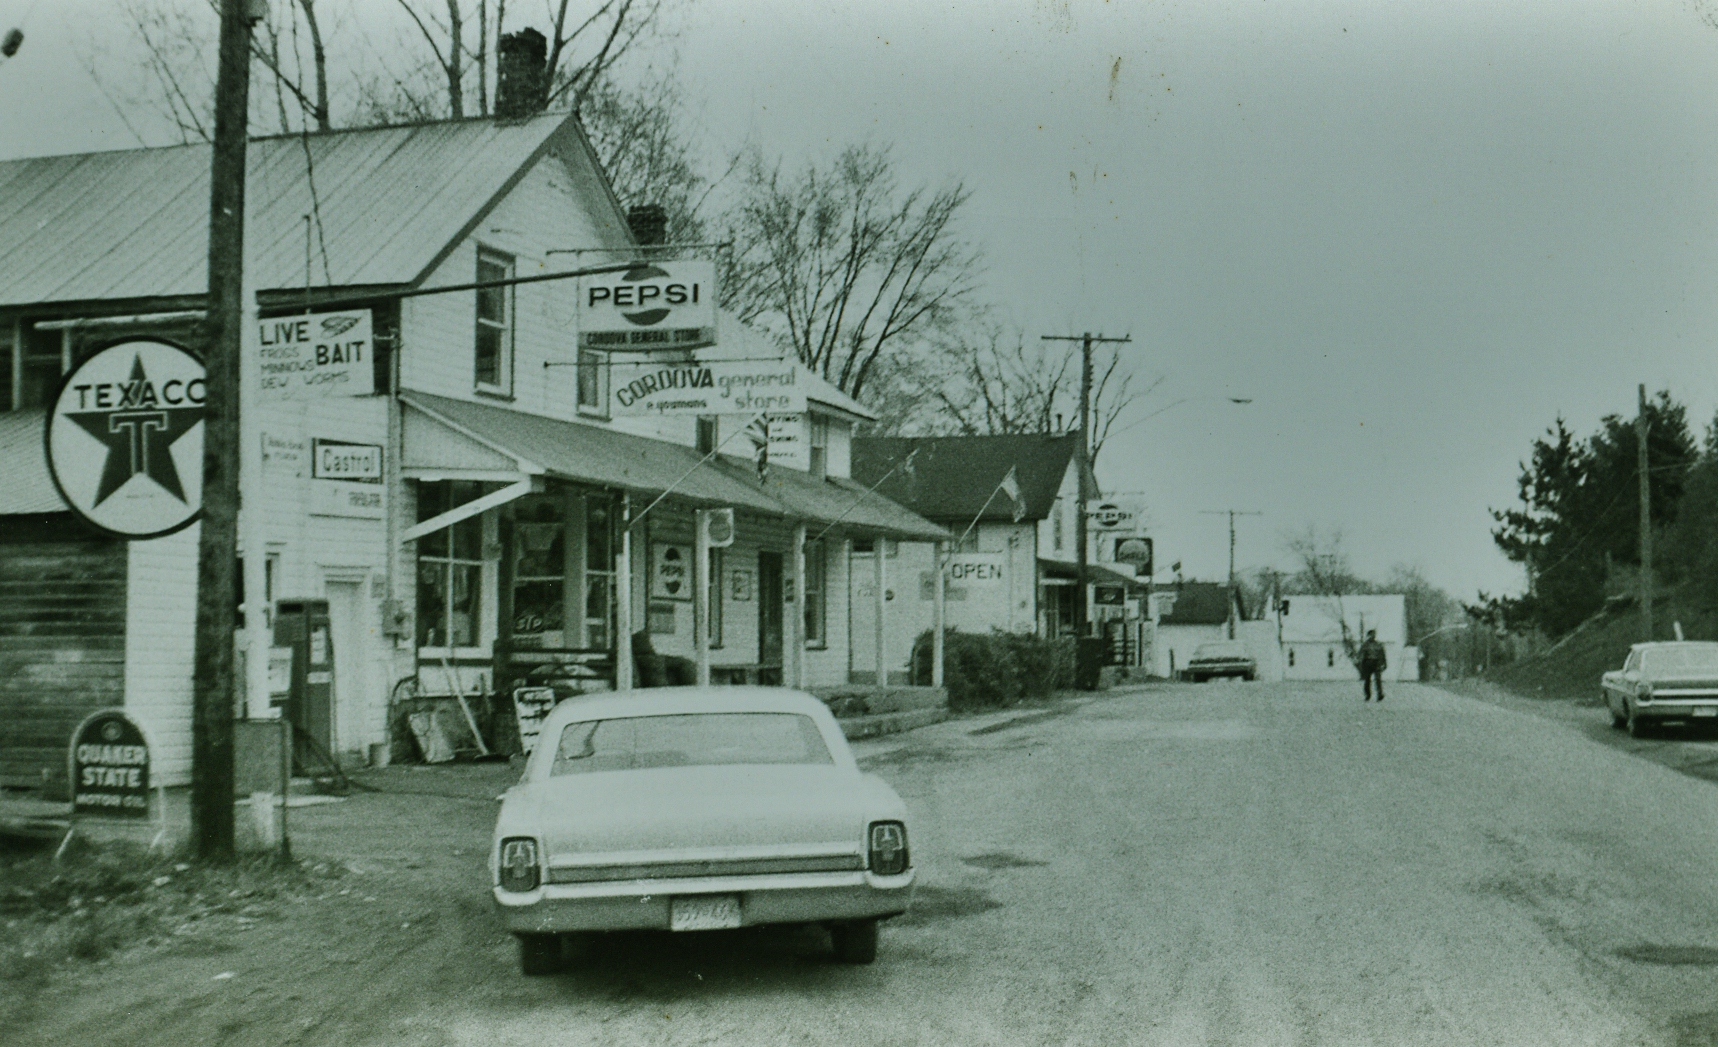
125	439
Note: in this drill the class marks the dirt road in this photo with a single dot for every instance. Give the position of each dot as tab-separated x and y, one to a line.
1227	863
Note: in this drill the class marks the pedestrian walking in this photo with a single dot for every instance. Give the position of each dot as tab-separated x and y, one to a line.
1372	665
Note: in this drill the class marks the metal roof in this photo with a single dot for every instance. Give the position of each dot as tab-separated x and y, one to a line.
134	223
593	454
24	473
953	477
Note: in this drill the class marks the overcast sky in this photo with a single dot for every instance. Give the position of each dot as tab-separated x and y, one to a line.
1413	233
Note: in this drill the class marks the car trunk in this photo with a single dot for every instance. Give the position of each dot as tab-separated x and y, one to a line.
694	815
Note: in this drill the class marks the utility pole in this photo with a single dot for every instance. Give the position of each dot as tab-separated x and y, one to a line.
1231	513
1082	614
217	548
1642	462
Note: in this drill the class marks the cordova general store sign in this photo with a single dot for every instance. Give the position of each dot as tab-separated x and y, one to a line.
716	387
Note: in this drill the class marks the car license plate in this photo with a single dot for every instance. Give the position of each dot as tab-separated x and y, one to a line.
1706	710
704	912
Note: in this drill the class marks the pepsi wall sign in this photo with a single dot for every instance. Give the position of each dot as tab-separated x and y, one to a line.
125	439
653	305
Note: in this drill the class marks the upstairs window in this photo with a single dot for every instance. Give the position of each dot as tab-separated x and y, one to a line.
1057	536
819	462
706	433
494	342
593	383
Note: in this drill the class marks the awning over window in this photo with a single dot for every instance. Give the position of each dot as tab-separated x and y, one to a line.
445	438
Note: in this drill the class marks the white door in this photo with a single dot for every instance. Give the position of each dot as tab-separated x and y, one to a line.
353	652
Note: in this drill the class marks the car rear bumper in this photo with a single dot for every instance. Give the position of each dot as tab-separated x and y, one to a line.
1675	708
645	904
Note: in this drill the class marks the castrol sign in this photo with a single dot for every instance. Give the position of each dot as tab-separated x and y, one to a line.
654	305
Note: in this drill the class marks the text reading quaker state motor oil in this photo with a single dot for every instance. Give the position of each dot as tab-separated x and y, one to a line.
317	354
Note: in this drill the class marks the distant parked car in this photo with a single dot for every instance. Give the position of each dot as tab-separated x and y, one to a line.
1221	658
1661	683
697	808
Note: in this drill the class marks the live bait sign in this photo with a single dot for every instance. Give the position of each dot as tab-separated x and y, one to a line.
110	767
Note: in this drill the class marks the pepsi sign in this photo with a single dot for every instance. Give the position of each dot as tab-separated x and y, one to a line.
653	305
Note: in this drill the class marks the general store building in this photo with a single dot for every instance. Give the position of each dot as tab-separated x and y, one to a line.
486	531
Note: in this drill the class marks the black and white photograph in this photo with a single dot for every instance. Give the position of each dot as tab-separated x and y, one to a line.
648	523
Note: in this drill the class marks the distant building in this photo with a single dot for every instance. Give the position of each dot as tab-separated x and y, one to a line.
1189	614
1014	565
1319	632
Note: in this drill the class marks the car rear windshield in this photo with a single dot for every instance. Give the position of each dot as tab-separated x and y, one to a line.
632	743
1683	660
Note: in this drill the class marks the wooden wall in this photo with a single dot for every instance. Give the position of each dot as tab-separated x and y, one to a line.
62	642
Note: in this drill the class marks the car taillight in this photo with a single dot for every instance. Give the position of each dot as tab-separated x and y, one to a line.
888	848
519	871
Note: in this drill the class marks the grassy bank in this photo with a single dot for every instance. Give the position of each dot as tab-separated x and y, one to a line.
1570	670
98	900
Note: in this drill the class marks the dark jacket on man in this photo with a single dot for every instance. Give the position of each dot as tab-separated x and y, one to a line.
1372	657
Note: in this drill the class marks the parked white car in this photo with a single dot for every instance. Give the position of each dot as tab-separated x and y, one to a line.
697	808
1663	682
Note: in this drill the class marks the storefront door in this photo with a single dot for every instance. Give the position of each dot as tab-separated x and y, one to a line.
769	609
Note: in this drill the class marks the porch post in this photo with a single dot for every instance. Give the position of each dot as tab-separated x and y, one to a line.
796	628
623	599
877	558
701	596
847	584
937	616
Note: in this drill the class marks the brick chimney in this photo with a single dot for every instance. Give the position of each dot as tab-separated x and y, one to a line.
521	81
649	224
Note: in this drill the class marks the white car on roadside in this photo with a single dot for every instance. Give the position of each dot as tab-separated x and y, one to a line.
1663	682
697	808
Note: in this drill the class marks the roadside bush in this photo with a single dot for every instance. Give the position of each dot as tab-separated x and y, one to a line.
985	671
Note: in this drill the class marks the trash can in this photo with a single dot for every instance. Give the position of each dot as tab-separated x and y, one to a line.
1088	662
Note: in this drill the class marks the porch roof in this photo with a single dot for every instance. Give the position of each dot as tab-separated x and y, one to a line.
1096	574
533	445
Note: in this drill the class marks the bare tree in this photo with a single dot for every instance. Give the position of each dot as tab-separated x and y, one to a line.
372	71
1324	570
640	134
843	266
997	381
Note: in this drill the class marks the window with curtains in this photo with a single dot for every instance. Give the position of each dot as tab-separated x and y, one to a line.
494	339
450	569
816	589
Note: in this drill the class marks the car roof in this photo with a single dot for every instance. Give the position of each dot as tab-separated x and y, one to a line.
671	701
1659	645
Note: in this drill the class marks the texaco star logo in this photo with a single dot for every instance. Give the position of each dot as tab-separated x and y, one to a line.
125	440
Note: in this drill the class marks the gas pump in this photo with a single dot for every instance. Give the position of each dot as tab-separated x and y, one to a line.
303	626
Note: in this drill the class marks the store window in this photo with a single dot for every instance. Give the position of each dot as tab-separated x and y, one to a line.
494	341
593	383
819	446
450	569
599	573
816	588
539	572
